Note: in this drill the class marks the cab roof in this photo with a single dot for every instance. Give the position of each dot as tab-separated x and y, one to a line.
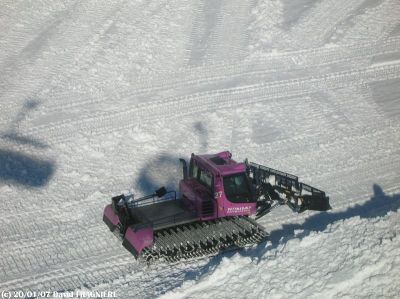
220	163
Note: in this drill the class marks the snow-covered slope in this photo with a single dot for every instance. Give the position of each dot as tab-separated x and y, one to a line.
100	97
351	258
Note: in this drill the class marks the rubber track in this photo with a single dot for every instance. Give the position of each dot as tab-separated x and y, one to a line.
204	239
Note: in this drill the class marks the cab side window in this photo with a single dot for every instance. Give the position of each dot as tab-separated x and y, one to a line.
206	179
194	173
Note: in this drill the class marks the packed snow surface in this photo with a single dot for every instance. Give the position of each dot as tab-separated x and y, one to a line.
103	97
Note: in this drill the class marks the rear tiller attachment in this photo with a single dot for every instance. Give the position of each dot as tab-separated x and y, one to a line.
274	188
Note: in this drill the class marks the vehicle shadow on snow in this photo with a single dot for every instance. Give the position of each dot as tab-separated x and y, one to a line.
165	169
12	134
202	131
162	170
20	168
377	206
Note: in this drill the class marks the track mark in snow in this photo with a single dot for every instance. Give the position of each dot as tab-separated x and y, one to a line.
262	68
374	25
104	268
313	29
93	57
102	123
219	31
35	69
229	40
387	96
206	21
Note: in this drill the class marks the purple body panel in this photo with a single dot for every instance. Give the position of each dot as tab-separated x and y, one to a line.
110	215
193	195
196	193
140	238
227	208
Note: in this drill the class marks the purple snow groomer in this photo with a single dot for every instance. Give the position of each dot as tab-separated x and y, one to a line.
220	200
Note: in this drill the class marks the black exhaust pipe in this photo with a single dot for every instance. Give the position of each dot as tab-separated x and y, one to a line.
184	168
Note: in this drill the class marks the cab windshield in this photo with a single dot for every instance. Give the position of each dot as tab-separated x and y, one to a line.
237	188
